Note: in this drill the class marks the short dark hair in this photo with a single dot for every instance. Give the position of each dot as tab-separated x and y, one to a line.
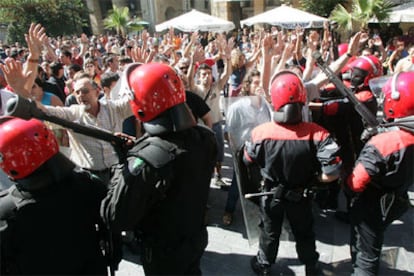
55	67
75	67
109	59
66	53
39	82
108	78
125	60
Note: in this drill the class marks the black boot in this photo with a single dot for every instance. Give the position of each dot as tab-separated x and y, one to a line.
313	270
259	269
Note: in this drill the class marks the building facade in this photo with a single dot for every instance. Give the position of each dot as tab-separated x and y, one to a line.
158	11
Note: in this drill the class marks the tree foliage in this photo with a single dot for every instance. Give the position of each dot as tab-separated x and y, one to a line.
118	19
59	17
320	7
361	12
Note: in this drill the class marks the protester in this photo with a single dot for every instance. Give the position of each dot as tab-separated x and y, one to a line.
209	89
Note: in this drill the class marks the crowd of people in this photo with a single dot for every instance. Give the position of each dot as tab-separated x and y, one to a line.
163	95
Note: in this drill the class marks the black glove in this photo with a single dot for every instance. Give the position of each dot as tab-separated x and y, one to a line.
348	191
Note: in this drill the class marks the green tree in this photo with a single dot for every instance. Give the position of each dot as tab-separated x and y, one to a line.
361	12
59	17
117	19
320	7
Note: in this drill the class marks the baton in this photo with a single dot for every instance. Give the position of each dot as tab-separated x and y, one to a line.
362	110
258	194
26	109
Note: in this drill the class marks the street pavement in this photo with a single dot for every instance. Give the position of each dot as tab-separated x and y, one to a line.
229	253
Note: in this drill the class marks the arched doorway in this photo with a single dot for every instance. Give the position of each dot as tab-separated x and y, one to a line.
170	12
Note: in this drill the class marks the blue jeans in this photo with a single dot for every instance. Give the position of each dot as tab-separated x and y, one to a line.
218	130
232	195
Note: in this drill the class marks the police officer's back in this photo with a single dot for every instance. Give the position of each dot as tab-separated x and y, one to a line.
163	186
289	152
382	176
49	216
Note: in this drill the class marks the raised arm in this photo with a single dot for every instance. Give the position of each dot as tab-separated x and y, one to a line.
337	65
226	48
34	40
84	45
197	55
266	63
298	46
188	47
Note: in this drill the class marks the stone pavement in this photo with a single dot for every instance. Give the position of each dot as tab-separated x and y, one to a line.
229	253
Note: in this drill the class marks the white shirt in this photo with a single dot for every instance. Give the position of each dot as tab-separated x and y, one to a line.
88	152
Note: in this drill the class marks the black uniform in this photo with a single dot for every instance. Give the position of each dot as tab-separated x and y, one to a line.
53	231
289	157
382	176
168	198
342	120
346	126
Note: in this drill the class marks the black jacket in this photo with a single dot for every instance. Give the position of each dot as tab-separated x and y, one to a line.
55	233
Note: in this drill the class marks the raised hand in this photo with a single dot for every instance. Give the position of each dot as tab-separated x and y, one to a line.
138	55
35	40
15	77
299	31
267	45
354	43
198	54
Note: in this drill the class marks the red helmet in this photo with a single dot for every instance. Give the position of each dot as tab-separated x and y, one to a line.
287	87
399	95
156	88
342	49
25	146
369	64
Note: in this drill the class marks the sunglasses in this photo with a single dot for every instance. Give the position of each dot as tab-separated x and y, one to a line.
83	90
183	68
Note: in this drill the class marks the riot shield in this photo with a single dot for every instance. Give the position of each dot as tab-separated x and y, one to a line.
243	114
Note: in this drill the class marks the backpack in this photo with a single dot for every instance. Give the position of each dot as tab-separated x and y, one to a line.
11	200
128	199
10	203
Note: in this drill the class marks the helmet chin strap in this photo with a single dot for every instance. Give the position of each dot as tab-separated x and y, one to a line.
289	114
49	173
177	118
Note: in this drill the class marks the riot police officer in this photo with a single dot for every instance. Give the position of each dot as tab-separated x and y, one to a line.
341	119
166	175
49	217
289	152
382	176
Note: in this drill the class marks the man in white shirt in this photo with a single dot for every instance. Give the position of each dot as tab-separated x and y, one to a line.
89	153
